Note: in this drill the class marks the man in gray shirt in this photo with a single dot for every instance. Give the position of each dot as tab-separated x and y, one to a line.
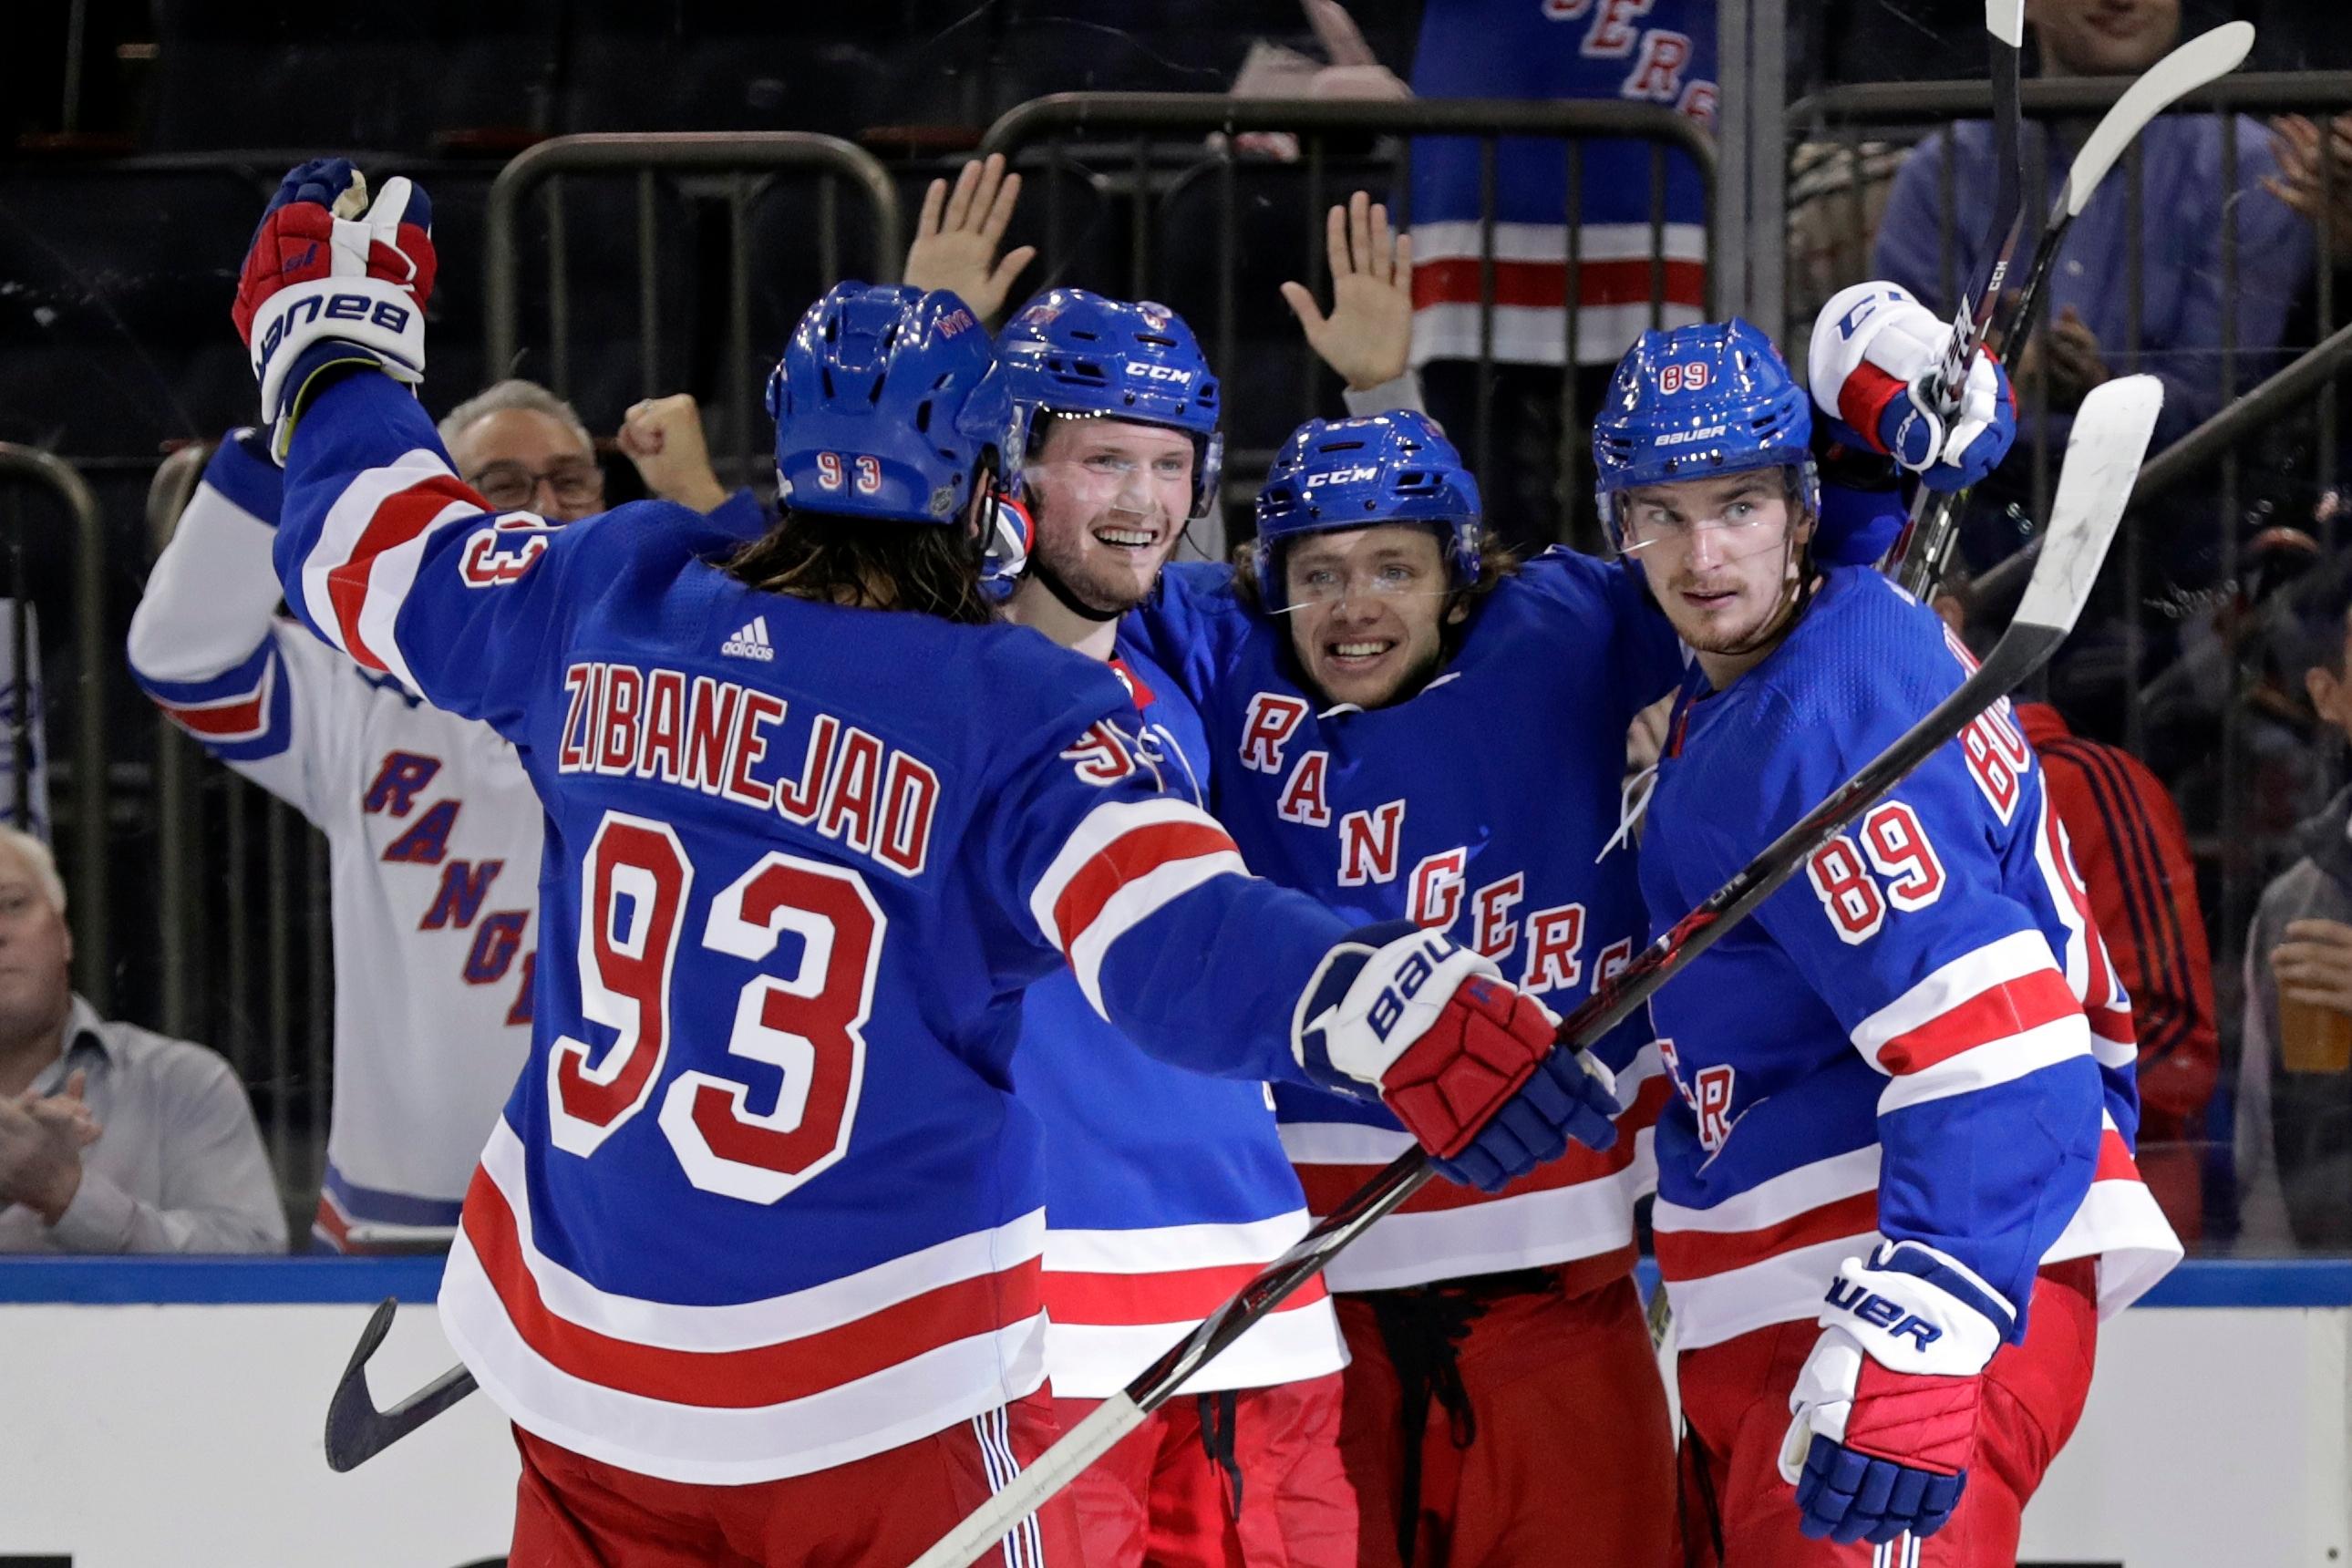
112	1139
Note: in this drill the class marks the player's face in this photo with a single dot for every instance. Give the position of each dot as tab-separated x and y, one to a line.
1716	554
1367	610
1110	499
36	948
2105	38
523	460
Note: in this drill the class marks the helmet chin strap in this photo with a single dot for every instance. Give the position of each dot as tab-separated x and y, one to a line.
1067	595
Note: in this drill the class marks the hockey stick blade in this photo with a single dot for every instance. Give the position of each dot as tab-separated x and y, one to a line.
2111	438
2202	61
356	1430
1918	558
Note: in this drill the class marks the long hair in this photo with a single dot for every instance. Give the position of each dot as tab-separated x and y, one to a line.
868	565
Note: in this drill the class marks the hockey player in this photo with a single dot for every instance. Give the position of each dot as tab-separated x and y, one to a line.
752	1255
1350	681
1895	1193
1152	1220
431	829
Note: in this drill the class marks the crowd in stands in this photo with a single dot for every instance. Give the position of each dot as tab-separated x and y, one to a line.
2222	264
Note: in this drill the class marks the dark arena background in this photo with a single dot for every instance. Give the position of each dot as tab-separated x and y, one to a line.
630	202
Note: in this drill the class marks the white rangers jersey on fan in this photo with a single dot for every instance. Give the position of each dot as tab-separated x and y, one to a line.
432	835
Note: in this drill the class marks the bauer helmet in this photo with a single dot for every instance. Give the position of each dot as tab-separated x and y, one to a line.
1358	473
888	403
1686	403
1078	355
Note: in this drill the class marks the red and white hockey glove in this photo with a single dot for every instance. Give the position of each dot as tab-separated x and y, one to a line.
1886	1407
1462	1059
1875	355
329	279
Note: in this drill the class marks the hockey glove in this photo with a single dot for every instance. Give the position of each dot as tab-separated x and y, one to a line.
331	279
1886	1407
1876	352
1462	1059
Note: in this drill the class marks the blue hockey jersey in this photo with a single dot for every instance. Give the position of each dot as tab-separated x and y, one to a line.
1478	806
1920	1037
1166	1191
762	1202
1659	52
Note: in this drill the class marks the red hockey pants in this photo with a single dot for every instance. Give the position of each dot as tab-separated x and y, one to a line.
1246	1479
1535	1418
1737	1512
572	1511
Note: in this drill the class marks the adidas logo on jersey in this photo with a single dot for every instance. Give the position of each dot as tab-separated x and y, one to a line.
751	642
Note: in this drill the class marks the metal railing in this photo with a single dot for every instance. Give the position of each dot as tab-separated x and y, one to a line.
24	467
1144	147
740	167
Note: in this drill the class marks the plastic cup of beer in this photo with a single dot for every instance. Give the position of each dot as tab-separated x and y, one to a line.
2312	1038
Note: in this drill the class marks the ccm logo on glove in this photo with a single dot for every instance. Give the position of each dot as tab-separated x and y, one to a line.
1845	1296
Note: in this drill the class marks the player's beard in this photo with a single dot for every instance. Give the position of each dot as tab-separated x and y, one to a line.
1082	571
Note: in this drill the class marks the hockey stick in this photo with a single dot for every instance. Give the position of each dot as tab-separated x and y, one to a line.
1921	553
356	1430
2110	438
2005	27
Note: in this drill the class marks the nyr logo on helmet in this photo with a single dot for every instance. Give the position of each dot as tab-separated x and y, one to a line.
954	323
1356	476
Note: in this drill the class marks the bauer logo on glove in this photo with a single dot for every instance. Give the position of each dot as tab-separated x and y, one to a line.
332	279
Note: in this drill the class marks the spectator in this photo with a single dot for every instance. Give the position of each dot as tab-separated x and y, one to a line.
112	1138
2294	1065
431	826
1655	52
2189	203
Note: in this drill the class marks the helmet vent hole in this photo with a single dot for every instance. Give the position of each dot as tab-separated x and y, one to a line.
1084	336
1155	339
923	417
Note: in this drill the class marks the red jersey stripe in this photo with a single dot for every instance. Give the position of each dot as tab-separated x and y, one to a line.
1134	854
1998	1013
399	518
1179	1296
235	717
742	1379
1543	285
1695	1254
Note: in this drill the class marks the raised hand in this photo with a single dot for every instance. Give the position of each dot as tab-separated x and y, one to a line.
331	279
957	236
1368	336
662	437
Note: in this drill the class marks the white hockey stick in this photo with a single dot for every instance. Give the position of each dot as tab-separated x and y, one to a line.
2111	436
1924	548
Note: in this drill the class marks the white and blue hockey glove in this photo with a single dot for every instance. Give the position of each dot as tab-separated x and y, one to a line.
1874	354
1462	1059
1884	1420
331	280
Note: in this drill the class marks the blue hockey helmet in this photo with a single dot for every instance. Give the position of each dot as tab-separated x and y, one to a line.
887	402
1713	398
1075	355
1336	474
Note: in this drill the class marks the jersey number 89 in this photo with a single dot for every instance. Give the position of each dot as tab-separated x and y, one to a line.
805	1026
1896	846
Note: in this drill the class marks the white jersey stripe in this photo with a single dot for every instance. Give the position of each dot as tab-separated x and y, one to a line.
1459	240
1995	1062
1137	901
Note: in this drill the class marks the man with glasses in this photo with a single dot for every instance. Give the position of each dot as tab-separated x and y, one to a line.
432	831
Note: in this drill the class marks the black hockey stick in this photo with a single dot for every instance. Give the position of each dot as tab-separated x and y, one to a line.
2110	438
1924	550
2005	30
356	1430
